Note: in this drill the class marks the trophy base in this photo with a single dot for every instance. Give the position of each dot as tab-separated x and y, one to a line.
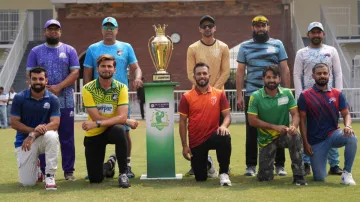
161	78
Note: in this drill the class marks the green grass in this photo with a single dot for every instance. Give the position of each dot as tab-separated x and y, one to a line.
243	189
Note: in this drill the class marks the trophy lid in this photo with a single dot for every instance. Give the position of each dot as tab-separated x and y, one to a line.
160	30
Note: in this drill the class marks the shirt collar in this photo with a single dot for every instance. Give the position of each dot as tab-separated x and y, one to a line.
318	90
209	89
113	85
264	95
28	93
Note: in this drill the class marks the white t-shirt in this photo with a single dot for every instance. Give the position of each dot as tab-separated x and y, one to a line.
3	97
11	96
306	58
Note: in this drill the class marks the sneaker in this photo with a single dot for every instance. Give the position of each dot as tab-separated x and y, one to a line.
307	169
299	180
250	171
224	180
39	172
189	173
230	173
124	181
336	170
86	178
69	176
109	167
211	170
280	171
347	179
129	173
50	182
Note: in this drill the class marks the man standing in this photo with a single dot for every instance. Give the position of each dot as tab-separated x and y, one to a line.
198	106
254	55
319	115
215	53
124	55
11	96
305	60
35	115
268	111
62	65
106	101
3	103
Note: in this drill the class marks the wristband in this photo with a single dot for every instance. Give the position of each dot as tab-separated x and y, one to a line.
348	127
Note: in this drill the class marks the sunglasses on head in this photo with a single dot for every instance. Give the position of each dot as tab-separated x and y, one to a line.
260	19
207	25
107	28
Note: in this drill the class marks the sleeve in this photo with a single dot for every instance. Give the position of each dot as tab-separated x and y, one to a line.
132	58
88	62
282	52
88	98
298	72
292	102
74	60
224	103
342	102
31	60
241	55
123	96
337	71
302	102
55	107
253	109
16	106
224	69
184	106
190	64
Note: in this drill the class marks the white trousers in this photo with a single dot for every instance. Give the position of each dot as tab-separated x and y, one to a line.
27	160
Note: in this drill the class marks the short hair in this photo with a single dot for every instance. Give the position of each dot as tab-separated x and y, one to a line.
273	68
200	64
318	65
38	70
1	88
105	57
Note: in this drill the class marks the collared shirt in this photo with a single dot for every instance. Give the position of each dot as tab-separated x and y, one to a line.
322	112
274	110
33	112
202	110
106	101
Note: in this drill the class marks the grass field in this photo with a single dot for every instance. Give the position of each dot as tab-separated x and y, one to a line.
243	188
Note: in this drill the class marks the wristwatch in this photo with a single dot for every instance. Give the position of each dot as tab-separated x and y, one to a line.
32	135
98	123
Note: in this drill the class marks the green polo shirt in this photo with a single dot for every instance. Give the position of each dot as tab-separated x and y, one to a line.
274	110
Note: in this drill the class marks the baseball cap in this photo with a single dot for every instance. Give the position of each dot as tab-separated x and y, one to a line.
315	24
260	19
109	20
207	18
52	22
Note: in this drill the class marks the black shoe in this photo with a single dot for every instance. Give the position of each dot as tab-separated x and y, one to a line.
307	169
129	173
109	167
124	181
299	180
336	170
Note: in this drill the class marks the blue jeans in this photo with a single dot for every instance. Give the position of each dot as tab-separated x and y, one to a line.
333	157
321	150
3	116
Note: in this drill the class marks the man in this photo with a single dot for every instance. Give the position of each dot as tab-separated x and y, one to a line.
106	101
11	96
305	60
268	111
140	92
254	55
319	115
198	106
3	103
214	53
62	65
35	115
124	55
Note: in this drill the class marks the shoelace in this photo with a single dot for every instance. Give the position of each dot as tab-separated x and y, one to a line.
50	180
123	177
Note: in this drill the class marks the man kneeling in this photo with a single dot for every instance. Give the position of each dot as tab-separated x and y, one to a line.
35	114
268	111
199	106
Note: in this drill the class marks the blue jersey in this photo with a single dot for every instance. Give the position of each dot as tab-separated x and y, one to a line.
257	56
124	55
322	112
33	112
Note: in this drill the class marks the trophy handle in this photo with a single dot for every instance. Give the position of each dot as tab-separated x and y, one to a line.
151	55
172	48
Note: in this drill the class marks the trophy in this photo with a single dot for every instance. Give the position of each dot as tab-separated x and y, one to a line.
160	49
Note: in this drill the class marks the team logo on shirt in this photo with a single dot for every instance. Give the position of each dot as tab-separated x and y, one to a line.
105	108
114	96
213	100
71	114
119	52
62	55
332	99
46	105
327	55
271	49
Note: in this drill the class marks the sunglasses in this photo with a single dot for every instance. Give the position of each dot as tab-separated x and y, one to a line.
208	25
107	28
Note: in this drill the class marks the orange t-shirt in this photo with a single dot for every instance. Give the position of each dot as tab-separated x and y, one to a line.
203	112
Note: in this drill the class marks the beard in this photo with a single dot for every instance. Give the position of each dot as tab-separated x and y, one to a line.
37	87
261	38
205	83
207	34
106	76
316	40
271	86
52	41
321	82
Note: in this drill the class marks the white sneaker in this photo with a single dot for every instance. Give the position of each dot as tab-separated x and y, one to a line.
211	172
250	171
280	171
50	182
347	179
224	180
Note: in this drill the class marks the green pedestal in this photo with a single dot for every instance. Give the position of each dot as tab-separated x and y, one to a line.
160	131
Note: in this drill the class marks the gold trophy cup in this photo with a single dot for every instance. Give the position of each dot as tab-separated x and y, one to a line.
160	49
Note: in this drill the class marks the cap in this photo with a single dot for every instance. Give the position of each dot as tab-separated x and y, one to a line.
110	20
207	18
315	24
260	19
52	22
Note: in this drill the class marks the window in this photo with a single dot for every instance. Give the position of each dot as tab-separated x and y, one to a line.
9	23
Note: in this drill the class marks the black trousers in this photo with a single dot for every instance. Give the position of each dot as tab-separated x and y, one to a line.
142	109
95	148
252	146
222	145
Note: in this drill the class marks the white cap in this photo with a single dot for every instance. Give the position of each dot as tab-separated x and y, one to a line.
315	24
